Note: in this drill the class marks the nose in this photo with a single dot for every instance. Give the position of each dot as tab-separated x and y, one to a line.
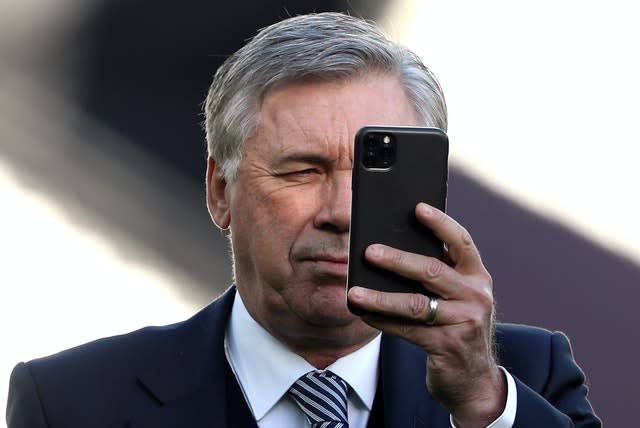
335	212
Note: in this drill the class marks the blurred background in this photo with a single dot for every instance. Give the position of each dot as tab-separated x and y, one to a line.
104	227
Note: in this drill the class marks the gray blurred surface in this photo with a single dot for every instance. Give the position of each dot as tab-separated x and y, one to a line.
145	207
116	145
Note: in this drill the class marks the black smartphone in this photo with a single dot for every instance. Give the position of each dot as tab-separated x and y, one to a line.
394	168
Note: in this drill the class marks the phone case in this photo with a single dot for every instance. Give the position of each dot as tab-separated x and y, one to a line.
384	198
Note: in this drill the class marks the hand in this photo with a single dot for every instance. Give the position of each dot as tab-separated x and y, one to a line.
462	373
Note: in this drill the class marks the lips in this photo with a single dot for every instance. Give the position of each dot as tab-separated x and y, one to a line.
330	265
330	258
323	256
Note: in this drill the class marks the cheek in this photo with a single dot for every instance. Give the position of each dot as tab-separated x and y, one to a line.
274	220
290	212
264	234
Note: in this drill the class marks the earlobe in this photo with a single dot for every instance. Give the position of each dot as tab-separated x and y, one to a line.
217	202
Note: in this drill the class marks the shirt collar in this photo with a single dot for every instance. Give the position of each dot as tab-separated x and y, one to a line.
266	368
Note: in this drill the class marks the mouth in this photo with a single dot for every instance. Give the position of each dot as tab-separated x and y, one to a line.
330	264
329	258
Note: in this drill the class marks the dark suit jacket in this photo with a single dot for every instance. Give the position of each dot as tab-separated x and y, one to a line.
174	376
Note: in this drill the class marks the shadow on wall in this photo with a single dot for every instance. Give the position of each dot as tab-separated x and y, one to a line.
546	275
158	64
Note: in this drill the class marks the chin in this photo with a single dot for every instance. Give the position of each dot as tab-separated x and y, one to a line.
330	312
330	294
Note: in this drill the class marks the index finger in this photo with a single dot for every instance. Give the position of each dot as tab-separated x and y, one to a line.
461	249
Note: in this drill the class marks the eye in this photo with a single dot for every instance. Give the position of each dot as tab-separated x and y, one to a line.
305	174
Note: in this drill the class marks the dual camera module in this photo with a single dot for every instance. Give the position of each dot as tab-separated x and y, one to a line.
379	150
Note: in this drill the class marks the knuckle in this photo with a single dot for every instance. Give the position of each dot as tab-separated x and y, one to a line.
466	236
484	289
417	305
432	268
473	328
441	217
406	331
486	278
484	297
398	257
466	239
380	300
476	323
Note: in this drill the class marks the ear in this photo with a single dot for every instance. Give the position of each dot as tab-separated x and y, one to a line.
217	202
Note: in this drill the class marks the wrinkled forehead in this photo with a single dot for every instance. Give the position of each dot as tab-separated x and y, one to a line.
317	112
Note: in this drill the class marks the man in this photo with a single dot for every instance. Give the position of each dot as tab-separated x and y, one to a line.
281	115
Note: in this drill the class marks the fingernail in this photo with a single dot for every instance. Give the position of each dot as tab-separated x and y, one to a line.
357	293
374	251
425	209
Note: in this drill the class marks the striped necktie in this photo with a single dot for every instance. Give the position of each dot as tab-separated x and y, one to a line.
322	396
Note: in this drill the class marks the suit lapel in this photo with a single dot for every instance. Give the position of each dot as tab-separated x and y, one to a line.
187	378
407	402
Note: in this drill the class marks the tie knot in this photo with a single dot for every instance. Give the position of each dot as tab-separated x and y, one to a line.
322	396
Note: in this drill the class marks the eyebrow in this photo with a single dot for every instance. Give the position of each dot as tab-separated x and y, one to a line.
303	157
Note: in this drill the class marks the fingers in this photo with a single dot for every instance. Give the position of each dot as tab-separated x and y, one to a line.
461	249
414	307
436	275
463	283
459	341
405	315
451	278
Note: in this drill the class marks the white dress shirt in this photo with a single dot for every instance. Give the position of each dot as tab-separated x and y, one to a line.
265	369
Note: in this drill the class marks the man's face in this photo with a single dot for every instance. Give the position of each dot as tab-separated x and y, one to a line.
289	208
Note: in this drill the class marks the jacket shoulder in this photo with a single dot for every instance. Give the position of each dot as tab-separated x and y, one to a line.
126	350
118	374
526	351
551	386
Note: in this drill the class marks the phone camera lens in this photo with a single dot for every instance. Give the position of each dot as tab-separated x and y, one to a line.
370	143
379	150
369	160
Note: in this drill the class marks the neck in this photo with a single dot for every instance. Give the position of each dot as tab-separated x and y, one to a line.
322	341
321	355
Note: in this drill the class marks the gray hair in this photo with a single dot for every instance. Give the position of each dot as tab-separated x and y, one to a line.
324	46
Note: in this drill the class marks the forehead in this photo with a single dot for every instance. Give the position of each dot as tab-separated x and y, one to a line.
325	116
